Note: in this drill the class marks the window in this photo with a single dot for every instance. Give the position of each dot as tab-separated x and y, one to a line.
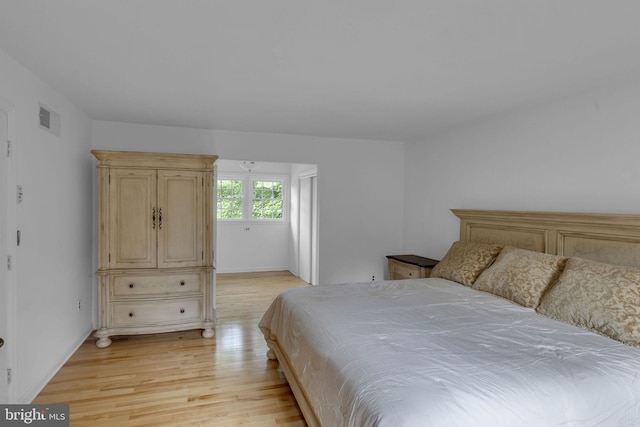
230	199
265	202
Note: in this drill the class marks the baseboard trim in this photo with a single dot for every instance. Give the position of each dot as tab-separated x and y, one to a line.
254	270
33	392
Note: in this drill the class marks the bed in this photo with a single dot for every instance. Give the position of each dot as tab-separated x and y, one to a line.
530	319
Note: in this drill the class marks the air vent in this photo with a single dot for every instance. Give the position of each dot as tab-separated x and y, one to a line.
49	120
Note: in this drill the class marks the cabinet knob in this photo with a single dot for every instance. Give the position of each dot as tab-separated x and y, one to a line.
182	310
131	285
131	314
181	282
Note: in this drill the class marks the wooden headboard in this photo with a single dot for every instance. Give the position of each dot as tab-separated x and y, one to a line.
610	238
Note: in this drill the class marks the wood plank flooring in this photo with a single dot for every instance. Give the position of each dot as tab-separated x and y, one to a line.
182	379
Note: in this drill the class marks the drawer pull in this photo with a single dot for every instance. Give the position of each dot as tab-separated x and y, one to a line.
181	282
131	314
131	285
182	310
410	274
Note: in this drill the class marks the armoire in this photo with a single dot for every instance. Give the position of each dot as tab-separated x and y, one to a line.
155	243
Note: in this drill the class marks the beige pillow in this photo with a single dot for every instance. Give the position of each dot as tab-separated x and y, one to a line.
521	276
601	297
464	261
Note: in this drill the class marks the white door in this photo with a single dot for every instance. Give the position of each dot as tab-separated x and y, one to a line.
304	269
4	270
314	230
308	258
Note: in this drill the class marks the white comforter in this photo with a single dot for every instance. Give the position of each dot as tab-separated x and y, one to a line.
430	352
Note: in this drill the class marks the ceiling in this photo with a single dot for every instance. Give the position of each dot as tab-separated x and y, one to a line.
373	69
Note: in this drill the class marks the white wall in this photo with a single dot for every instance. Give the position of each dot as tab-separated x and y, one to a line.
245	247
360	185
575	155
54	261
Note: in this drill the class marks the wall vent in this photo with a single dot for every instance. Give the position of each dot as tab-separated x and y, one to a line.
49	120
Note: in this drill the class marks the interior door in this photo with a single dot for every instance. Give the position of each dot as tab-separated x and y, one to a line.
134	216
314	230
304	268
4	270
180	219
308	258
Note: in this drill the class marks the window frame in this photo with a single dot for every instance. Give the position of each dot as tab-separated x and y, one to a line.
232	177
248	180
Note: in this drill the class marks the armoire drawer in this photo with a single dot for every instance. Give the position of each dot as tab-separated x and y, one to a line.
155	313
155	285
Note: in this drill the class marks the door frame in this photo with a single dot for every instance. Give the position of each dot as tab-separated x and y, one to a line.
9	307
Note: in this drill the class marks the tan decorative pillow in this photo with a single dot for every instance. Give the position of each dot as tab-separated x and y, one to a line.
520	275
602	297
464	261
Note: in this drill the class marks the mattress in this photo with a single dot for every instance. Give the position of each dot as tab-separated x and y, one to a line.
431	352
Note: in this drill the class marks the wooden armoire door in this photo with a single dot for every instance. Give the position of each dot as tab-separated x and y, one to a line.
132	218
180	227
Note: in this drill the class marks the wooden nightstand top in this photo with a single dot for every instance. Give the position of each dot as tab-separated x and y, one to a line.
414	260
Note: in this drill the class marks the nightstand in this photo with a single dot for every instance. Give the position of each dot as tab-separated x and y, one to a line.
410	266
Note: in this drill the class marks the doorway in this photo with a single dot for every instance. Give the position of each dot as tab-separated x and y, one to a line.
249	245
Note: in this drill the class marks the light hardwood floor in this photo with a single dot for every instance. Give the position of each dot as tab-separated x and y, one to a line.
182	379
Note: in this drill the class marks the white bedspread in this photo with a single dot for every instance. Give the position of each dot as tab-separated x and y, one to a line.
430	352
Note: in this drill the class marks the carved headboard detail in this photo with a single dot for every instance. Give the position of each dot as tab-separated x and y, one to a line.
610	238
